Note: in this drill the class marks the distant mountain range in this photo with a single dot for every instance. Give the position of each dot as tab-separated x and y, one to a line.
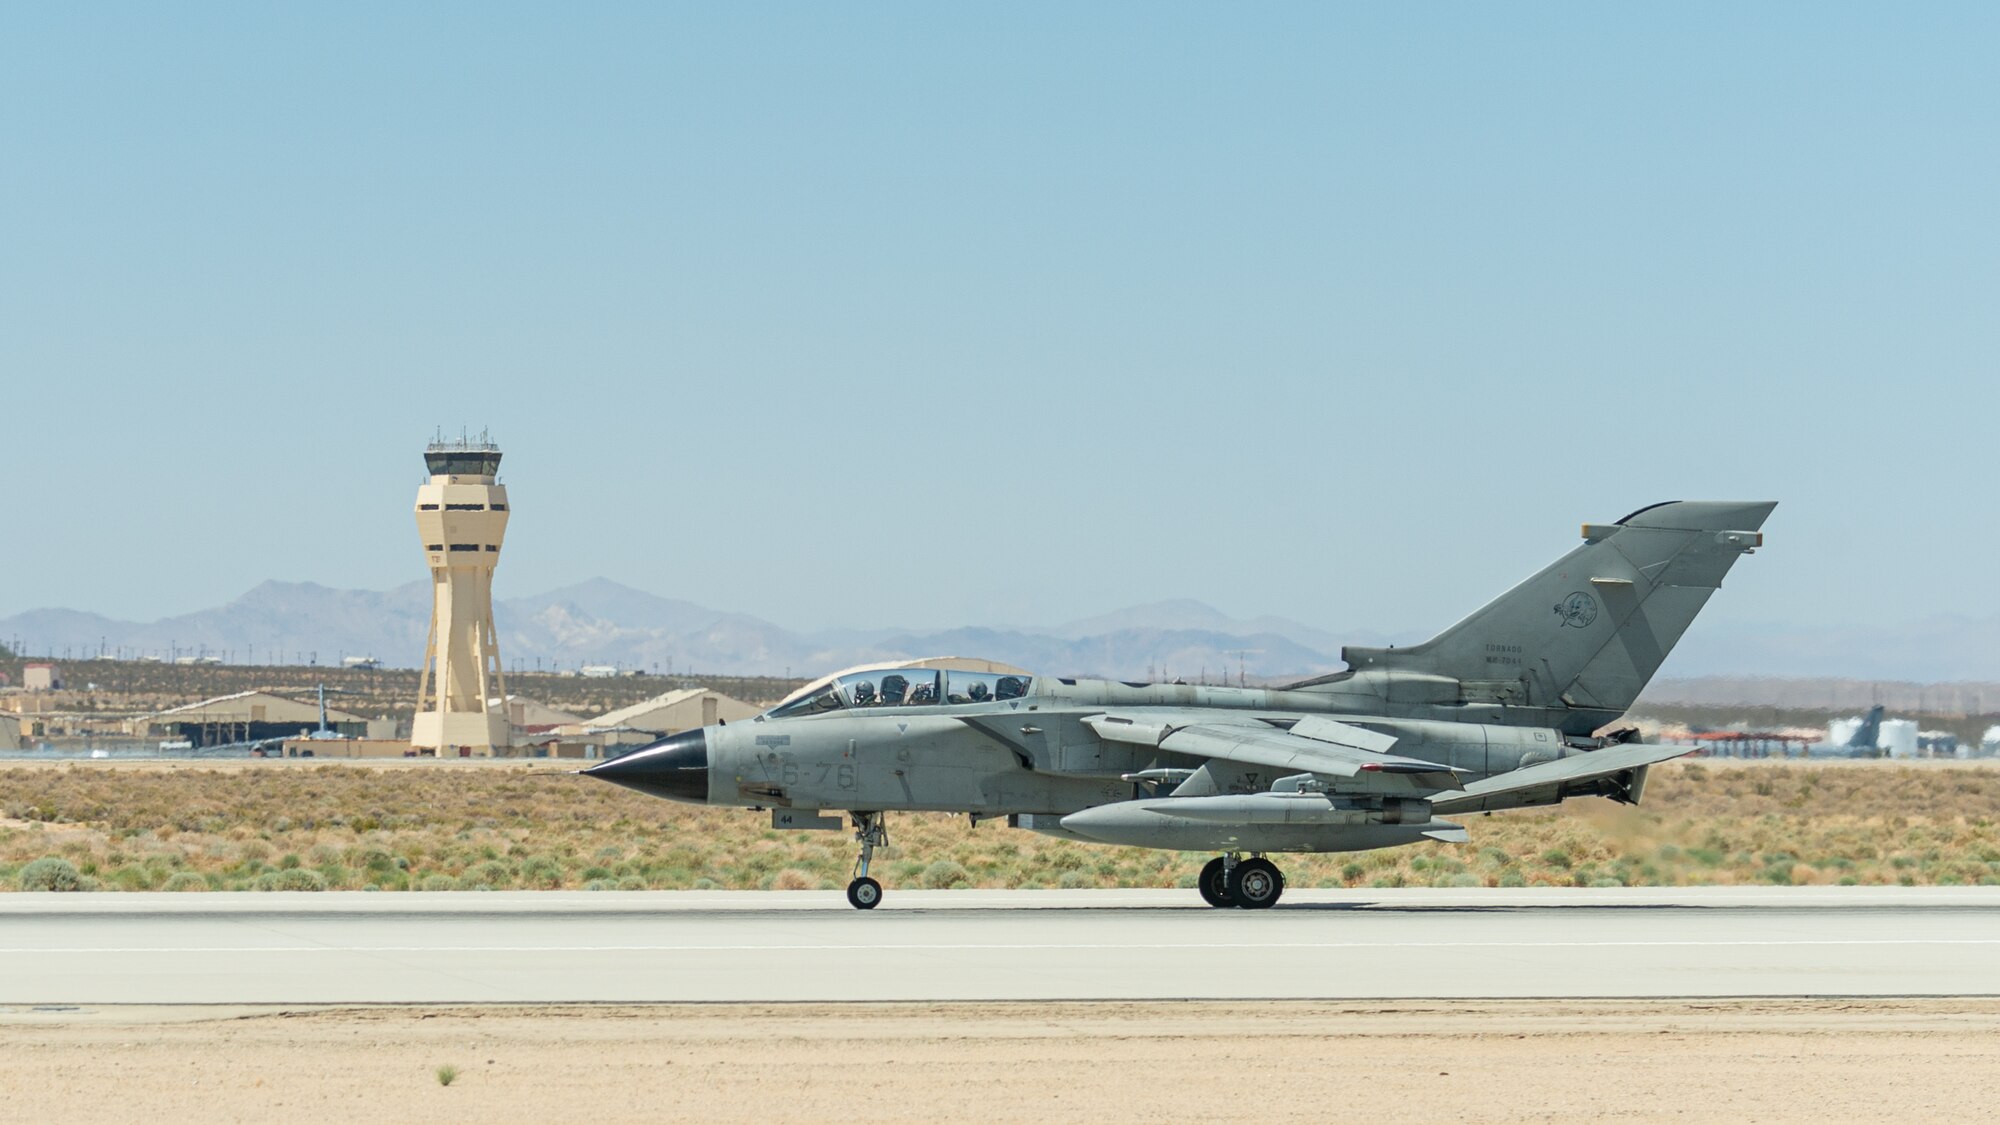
603	622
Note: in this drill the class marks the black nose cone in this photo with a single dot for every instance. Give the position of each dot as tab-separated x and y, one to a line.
675	767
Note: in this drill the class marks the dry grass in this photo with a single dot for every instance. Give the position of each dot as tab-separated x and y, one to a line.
434	827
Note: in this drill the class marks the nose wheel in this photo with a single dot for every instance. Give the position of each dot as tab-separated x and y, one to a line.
864	893
1253	884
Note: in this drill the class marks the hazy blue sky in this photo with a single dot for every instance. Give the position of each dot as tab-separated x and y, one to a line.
940	314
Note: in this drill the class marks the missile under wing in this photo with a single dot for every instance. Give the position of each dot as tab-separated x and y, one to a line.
1500	711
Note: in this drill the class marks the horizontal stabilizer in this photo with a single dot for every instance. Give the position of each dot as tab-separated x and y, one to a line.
1577	775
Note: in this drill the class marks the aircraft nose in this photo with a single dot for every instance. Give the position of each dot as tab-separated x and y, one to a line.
675	767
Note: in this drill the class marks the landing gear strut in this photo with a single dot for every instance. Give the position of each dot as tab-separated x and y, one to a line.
863	893
1252	884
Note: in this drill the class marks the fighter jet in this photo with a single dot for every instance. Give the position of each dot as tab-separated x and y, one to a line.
1509	708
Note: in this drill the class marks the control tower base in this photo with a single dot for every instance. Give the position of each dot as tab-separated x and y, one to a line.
455	734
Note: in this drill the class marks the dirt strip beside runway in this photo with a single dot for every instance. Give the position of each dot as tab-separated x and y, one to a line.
1874	1060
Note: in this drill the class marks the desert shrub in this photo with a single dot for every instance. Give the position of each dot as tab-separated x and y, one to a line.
184	881
51	873
542	871
438	883
944	873
493	873
292	879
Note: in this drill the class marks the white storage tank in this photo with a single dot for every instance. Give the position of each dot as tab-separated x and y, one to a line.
1840	730
1898	738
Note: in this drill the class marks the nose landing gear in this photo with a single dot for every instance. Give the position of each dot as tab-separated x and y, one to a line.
864	893
1252	884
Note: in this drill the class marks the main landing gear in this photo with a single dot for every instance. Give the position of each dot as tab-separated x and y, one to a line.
863	893
1252	884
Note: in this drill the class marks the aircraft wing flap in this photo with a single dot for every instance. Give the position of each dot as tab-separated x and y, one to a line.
1321	729
1549	779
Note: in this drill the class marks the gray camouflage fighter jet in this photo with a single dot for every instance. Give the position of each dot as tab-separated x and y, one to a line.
1499	711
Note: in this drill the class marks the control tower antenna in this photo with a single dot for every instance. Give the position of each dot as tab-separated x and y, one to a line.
462	517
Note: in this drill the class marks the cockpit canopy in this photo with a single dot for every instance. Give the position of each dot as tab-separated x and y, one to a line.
917	683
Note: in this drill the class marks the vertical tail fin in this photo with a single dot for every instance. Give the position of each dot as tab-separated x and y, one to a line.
1868	736
1590	630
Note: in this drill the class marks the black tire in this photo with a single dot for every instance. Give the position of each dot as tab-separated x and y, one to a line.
864	893
1214	884
1256	884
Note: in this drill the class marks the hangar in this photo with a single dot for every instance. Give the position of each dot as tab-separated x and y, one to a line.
676	711
527	715
250	716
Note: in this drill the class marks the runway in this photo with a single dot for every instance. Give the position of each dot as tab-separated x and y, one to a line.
358	948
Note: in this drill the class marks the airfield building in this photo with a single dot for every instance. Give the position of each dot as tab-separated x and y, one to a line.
252	716
667	714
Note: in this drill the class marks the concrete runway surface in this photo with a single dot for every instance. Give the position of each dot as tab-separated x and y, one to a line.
361	948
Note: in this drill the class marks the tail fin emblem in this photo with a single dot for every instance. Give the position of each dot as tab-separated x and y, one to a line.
1579	610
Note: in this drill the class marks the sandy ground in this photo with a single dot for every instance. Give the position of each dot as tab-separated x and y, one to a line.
1284	1061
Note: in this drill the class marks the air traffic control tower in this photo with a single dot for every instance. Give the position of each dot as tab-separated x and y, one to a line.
462	516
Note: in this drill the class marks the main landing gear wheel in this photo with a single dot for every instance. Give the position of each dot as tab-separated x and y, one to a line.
1256	884
1214	883
864	893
